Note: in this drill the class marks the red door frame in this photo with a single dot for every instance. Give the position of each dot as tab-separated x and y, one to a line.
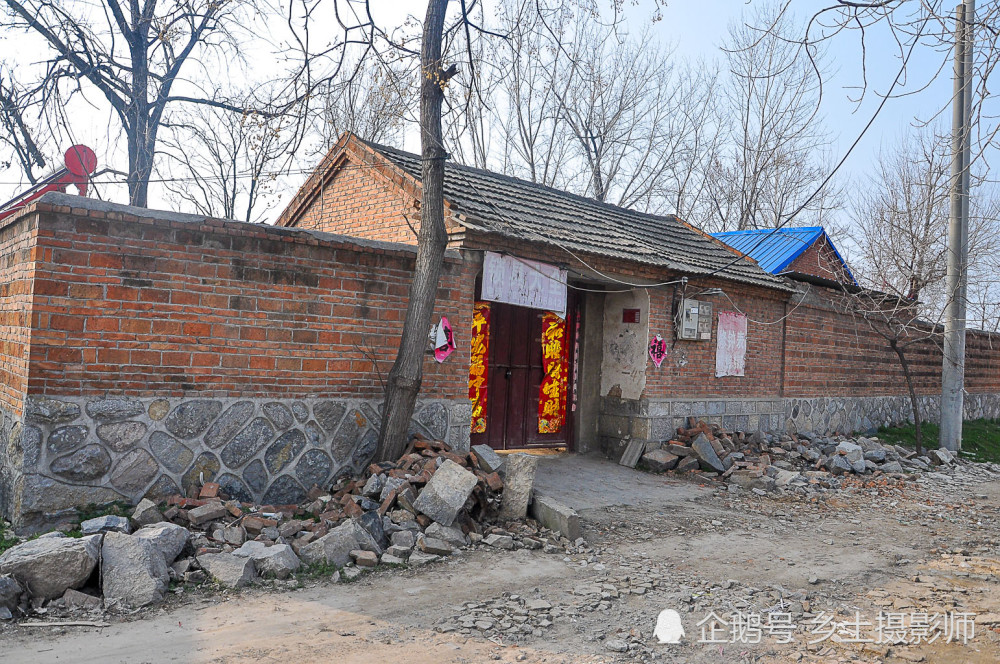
514	377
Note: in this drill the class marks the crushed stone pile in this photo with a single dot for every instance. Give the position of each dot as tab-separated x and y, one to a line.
429	504
801	463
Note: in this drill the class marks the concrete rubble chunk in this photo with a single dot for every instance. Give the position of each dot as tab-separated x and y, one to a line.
133	572
371	522
10	592
146	513
46	567
706	454
389	559
229	570
106	524
167	538
660	460
404	538
334	548
941	457
445	494
518	485
434	545
364	558
277	560
891	467
420	558
373	487
489	461
74	599
208	512
555	516
633	451
449	534
500	541
838	464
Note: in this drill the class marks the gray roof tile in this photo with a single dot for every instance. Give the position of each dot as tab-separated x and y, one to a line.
525	210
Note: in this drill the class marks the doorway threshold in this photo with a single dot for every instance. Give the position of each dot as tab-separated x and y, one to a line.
535	451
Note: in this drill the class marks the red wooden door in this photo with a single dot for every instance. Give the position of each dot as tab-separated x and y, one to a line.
513	381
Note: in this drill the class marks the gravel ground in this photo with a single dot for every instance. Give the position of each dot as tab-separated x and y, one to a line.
928	546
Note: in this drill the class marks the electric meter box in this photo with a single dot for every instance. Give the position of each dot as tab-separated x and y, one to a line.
695	322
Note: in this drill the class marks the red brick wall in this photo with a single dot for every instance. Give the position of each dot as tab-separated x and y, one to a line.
141	305
820	260
689	368
829	353
357	200
17	240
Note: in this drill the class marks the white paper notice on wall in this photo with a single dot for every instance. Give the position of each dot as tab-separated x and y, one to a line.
731	353
525	283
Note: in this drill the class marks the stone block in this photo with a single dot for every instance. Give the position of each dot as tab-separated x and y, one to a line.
489	461
706	454
167	538
555	516
449	534
146	513
446	492
434	545
229	570
133	572
278	560
334	548
106	524
47	566
660	460
518	485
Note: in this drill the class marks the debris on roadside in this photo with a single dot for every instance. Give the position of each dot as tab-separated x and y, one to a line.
802	463
427	505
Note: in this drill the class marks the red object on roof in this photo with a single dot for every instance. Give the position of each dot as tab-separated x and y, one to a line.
81	162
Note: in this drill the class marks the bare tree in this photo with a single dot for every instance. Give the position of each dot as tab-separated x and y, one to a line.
374	104
898	322
405	377
144	59
16	134
223	164
900	214
772	164
573	102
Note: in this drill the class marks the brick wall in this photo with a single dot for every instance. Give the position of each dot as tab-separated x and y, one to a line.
171	307
820	260
829	353
358	200
17	249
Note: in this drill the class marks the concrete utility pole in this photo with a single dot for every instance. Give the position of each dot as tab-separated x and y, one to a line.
953	366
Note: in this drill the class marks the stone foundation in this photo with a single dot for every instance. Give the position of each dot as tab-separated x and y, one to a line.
70	452
656	421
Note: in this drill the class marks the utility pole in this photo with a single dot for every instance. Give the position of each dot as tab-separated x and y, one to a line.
953	365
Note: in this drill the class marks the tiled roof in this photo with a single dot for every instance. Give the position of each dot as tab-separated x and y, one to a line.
776	249
525	210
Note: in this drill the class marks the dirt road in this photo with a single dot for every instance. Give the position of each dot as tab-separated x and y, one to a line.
928	547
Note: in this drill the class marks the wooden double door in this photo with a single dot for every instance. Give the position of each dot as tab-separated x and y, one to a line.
514	378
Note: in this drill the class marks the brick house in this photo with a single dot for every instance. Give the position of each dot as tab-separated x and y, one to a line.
633	276
144	351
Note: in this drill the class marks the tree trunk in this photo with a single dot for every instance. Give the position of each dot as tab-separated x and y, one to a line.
432	240
914	402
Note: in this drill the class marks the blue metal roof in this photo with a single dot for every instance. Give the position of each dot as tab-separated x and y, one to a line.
776	249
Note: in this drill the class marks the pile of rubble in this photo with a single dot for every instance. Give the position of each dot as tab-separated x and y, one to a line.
427	504
799	463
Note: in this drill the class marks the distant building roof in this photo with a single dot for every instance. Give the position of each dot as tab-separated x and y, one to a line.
776	249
